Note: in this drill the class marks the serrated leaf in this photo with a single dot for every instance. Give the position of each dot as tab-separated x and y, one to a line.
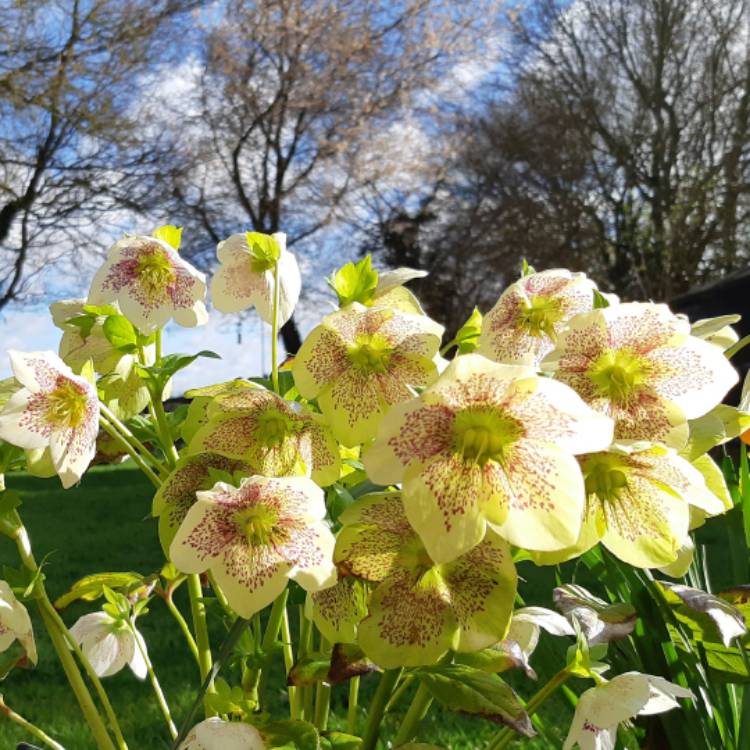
90	588
471	691
355	282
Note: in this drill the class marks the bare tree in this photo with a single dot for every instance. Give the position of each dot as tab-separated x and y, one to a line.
70	148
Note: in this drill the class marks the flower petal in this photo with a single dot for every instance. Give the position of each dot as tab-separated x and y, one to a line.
338	610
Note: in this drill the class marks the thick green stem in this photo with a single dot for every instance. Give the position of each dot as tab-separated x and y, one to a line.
130	450
158	692
418	709
383	692
275	330
351	710
273	627
398	693
27	726
184	627
198	610
286	641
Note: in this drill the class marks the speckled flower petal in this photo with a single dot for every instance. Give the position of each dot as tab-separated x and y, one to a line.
338	610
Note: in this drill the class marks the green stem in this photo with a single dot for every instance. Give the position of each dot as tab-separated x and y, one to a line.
273	626
198	610
275	330
398	693
286	641
57	635
383	692
741	344
418	709
130	438
506	735
351	710
221	598
32	729
170	452
158	692
184	627
142	465
322	706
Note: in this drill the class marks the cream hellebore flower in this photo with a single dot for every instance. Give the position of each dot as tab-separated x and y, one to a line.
638	498
420	609
245	277
151	283
109	644
528	622
524	324
54	409
601	709
217	734
361	361
257	536
638	363
15	624
274	437
489	445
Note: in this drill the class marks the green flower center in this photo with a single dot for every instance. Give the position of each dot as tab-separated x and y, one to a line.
619	374
539	315
273	428
66	405
605	476
482	436
371	354
258	524
155	272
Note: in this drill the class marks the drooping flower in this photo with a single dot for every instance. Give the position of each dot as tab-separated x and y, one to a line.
419	609
274	437
638	498
489	445
245	276
176	495
601	709
524	324
391	292
217	734
200	400
255	537
54	409
338	610
151	283
638	363
599	621
528	622
361	361
109	644
15	624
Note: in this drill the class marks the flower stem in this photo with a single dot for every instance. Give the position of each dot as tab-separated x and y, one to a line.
275	330
286	641
351	711
142	465
128	436
158	692
273	626
198	610
418	709
184	627
57	635
170	452
42	736
388	680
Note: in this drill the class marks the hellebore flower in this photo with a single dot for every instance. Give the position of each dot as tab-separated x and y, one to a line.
361	361
419	609
15	624
638	498
601	709
109	644
151	283
638	363
245	276
273	436
54	409
217	734
257	536
489	445
524	324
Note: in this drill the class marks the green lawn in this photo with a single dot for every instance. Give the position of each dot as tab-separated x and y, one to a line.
104	525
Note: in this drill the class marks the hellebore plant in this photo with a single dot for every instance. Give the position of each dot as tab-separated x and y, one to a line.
358	517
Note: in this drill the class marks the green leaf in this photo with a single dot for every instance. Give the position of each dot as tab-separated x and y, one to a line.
264	250
10	521
230	700
156	377
468	335
291	734
120	332
600	301
355	282
526	269
340	741
89	588
309	670
170	234
501	657
471	691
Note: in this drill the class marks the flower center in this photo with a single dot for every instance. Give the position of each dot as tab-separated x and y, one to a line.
618	374
481	436
371	354
258	524
539	315
155	272
413	556
66	404
605	476
273	428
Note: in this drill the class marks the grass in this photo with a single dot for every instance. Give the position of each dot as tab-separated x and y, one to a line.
104	525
